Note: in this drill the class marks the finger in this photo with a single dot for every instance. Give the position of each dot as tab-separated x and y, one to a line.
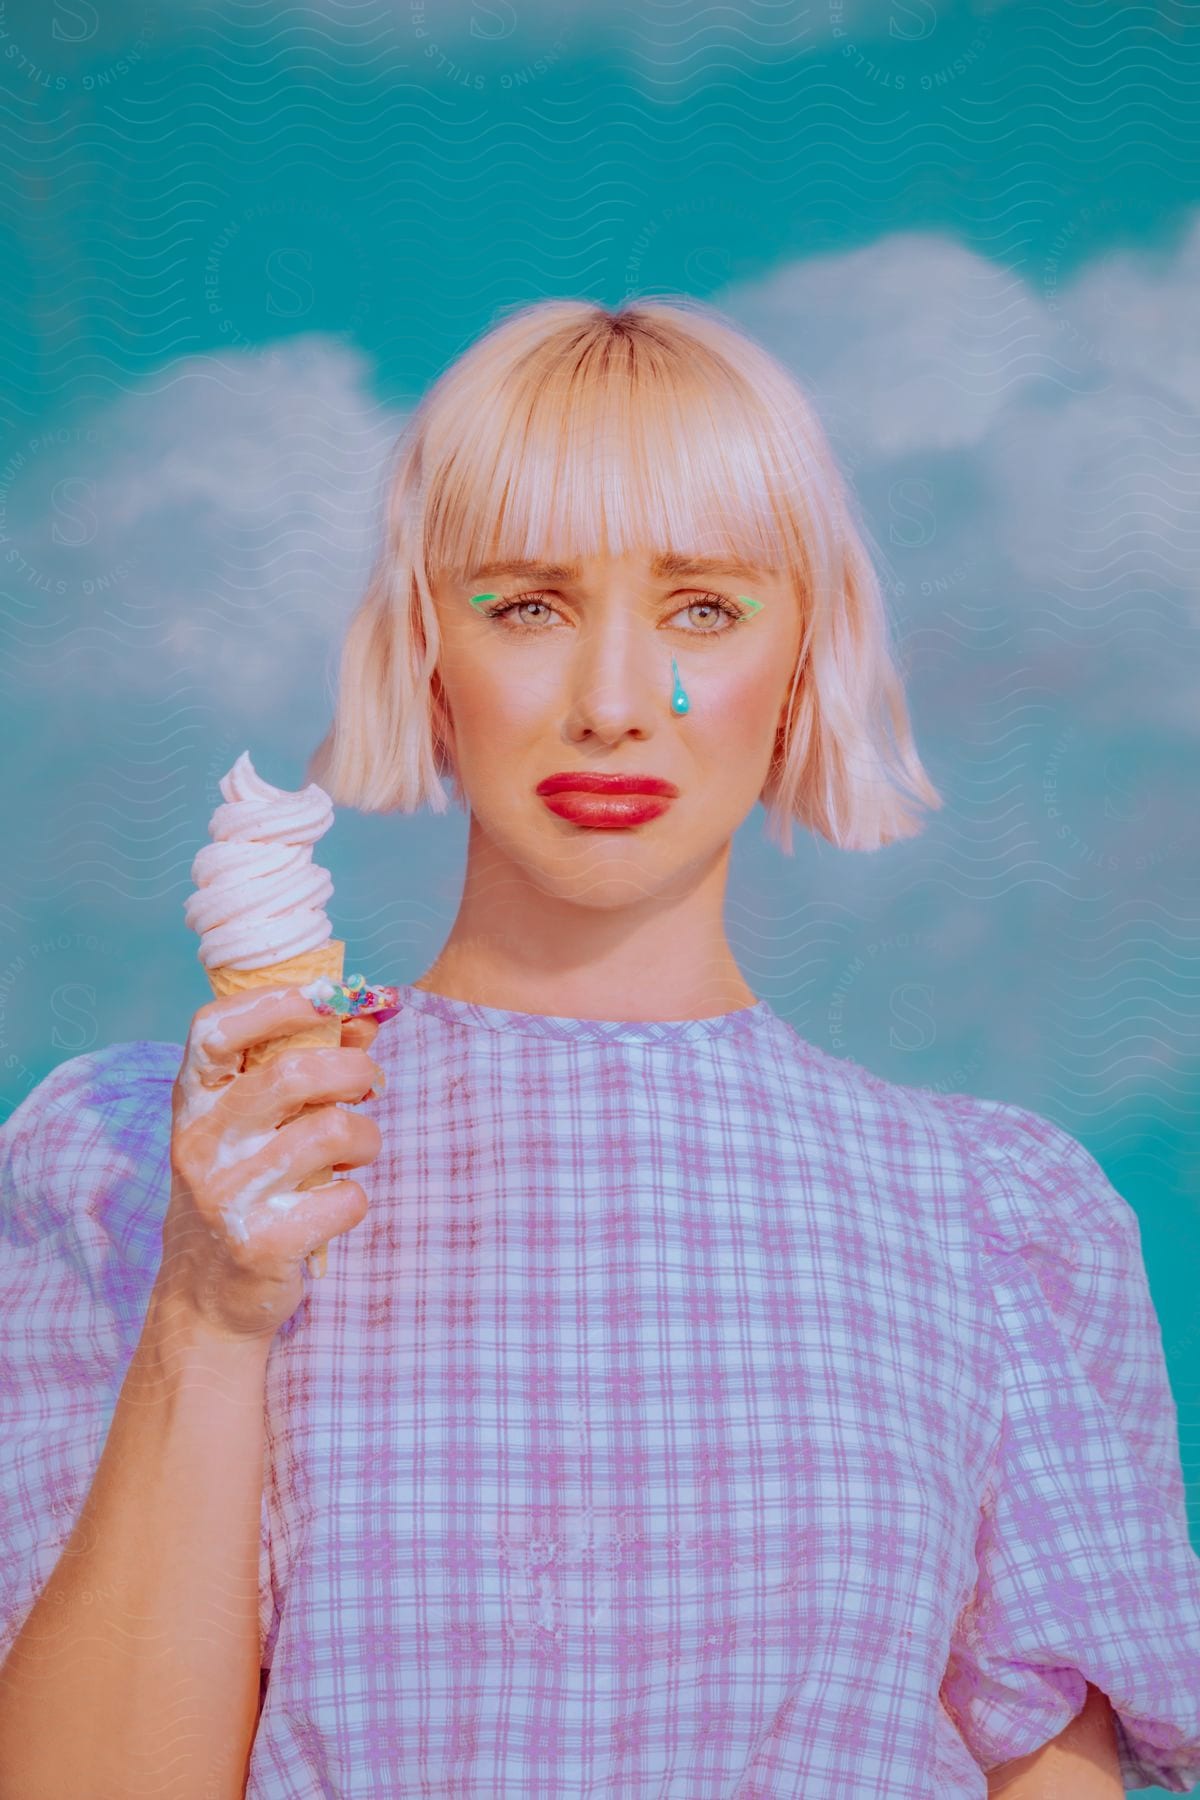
301	1220
275	1091
223	1029
360	1032
290	1161
326	1138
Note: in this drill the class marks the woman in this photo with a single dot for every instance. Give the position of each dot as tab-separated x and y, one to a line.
689	1412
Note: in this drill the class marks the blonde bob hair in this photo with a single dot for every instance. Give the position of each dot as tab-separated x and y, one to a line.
570	430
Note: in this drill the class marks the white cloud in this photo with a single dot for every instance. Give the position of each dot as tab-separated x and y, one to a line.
910	343
1069	406
217	522
1139	310
753	25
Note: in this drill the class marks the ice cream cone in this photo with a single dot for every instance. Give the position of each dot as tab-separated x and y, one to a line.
258	897
327	959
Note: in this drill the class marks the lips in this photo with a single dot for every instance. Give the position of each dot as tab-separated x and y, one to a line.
579	781
606	812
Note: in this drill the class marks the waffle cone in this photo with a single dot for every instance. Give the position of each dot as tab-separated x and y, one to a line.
327	959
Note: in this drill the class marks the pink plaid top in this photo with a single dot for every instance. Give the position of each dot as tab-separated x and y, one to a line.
693	1415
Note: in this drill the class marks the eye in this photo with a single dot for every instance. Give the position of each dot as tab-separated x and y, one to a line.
715	604
501	609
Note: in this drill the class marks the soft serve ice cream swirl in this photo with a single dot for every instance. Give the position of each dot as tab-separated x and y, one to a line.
259	897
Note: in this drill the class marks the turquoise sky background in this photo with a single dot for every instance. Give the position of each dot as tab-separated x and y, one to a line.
236	243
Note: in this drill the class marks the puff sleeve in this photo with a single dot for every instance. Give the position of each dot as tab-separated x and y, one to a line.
1085	1571
84	1182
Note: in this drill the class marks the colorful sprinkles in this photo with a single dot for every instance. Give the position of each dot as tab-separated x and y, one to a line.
346	999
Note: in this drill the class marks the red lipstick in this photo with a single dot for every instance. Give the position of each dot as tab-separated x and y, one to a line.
606	802
591	781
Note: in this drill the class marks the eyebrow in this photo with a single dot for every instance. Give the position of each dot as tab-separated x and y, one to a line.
668	563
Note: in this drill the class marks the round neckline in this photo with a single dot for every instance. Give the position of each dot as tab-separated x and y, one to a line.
556	1025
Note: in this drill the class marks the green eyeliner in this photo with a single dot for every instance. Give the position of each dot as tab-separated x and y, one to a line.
755	606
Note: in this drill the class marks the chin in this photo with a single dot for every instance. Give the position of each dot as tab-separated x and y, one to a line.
608	870
606	886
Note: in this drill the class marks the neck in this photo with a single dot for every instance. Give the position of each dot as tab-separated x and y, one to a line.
514	946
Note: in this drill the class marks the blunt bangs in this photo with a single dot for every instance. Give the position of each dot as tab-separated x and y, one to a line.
587	451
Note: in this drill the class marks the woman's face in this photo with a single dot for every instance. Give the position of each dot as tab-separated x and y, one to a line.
575	676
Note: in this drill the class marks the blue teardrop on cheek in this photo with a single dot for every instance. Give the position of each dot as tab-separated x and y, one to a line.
679	700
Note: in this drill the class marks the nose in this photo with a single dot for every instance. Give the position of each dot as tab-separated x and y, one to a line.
621	680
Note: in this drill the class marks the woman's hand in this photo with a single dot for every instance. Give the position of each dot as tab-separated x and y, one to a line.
237	1226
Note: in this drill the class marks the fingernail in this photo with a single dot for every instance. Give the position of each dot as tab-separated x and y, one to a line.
351	997
321	993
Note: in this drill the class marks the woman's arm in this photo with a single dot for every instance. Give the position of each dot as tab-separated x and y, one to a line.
137	1670
1081	1763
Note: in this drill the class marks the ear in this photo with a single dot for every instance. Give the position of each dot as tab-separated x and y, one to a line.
442	727
442	723
779	748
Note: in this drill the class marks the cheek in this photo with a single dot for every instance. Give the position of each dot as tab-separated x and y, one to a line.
490	710
744	711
